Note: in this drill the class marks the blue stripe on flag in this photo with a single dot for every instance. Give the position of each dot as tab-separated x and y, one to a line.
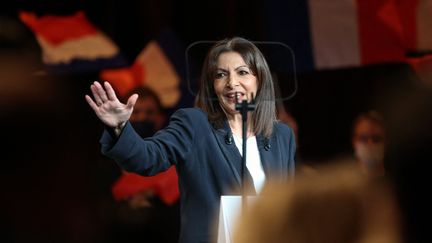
86	65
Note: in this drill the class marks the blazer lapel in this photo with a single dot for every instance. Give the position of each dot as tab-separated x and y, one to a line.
233	158
266	155
230	151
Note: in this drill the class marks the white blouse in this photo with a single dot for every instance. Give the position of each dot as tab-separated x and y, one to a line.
253	160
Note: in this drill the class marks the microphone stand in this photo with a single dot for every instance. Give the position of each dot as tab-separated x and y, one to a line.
244	107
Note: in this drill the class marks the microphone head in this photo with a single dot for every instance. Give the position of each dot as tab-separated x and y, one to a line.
229	138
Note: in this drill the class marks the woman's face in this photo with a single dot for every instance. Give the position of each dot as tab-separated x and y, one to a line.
233	78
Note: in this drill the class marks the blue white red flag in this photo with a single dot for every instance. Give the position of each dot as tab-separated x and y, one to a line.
72	44
347	33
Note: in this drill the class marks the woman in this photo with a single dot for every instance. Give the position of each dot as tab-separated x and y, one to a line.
203	142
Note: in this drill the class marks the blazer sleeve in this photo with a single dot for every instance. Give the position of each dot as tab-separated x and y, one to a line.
149	156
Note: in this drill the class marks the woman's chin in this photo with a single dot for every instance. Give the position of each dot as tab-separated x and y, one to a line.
230	110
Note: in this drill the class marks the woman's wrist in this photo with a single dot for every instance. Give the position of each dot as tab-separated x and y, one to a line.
118	129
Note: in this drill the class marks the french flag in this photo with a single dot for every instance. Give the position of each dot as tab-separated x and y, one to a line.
71	43
161	67
164	185
349	33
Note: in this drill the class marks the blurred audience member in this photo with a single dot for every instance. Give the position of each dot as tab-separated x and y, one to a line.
148	115
368	142
339	205
147	118
408	154
152	202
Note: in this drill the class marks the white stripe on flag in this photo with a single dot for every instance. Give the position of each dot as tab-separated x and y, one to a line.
159	74
89	48
334	33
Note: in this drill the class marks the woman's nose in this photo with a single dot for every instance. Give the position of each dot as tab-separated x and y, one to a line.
232	81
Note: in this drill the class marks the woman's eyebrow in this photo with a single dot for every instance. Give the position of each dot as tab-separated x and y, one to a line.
242	66
225	70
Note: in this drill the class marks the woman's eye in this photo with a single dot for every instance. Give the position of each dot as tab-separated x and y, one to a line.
220	75
243	72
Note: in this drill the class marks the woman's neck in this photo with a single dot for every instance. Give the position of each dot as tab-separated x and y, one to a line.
235	123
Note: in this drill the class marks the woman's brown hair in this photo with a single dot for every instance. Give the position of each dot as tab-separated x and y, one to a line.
264	115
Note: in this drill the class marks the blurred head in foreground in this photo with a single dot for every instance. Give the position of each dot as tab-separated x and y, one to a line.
339	205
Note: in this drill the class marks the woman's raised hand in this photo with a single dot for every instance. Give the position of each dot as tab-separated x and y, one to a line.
107	107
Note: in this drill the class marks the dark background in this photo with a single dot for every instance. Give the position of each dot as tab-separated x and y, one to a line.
54	181
325	103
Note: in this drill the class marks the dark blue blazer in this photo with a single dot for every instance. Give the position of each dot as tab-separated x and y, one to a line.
208	165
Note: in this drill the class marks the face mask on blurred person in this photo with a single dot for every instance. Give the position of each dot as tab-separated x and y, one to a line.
144	128
370	154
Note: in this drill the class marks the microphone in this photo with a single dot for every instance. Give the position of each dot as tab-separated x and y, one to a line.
229	138
245	106
267	145
229	141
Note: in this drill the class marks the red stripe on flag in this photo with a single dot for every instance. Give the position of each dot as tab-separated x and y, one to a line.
407	10
380	32
124	79
56	29
164	185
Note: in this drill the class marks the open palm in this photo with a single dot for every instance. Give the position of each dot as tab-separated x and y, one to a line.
107	107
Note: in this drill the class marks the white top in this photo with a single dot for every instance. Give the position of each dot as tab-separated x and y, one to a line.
253	161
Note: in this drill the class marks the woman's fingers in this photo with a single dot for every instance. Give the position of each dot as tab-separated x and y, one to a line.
106	105
101	91
110	91
92	104
131	101
96	95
